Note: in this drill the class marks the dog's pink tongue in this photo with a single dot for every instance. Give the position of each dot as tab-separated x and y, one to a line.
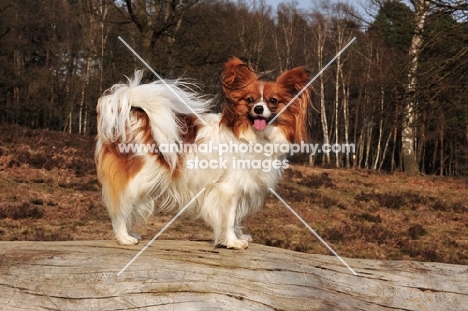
260	124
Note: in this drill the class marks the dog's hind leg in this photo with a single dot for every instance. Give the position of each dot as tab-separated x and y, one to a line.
134	234
121	216
243	236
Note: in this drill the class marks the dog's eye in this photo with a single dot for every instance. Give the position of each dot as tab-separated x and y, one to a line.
249	100
273	101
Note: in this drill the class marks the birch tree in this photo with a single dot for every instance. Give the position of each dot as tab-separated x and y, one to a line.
319	32
285	37
343	33
255	30
408	135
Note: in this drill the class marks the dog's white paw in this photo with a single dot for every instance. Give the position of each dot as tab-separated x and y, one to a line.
246	237
127	240
237	244
134	234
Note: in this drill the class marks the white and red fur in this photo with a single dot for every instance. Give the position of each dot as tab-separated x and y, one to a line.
132	183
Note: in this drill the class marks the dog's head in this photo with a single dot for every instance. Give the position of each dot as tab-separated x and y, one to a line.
251	103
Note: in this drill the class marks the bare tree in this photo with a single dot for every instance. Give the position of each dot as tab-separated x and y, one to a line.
319	32
343	28
290	22
408	135
255	30
156	20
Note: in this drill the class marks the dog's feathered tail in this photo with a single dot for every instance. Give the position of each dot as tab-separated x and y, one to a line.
161	102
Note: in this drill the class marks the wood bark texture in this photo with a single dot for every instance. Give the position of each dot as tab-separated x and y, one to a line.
188	275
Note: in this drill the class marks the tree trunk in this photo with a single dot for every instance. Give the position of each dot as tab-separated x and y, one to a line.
360	144
410	164
434	156
385	150
186	275
81	125
320	35
356	119
337	104
379	142
323	120
346	120
422	144
442	147
393	164
156	20
368	162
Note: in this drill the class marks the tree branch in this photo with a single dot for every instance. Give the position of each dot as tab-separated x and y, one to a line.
134	18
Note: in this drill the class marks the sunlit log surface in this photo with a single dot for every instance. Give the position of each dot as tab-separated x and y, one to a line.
187	275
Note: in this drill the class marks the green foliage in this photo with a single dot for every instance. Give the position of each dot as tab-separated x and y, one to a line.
394	24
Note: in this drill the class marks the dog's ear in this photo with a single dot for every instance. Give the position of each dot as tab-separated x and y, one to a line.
293	80
289	84
236	75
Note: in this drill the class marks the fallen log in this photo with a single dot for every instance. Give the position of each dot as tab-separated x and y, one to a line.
187	275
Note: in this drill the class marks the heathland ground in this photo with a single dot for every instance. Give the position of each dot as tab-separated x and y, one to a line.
49	191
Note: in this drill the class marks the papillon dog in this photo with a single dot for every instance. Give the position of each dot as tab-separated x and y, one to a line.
135	180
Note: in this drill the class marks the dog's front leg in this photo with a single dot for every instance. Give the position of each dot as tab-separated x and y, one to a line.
232	241
219	210
120	225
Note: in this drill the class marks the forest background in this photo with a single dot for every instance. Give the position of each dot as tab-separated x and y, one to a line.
399	93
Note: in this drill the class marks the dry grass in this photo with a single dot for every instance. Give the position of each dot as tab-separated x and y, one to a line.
49	191
369	215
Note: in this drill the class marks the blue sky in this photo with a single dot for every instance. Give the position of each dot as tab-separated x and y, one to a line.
307	4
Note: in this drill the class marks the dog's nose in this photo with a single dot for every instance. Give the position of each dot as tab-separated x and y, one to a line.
258	109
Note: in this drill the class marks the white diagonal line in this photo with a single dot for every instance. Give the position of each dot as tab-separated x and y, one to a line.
160	232
313	79
162	80
312	230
